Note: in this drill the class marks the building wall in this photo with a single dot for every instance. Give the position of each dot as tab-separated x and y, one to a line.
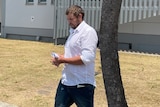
142	35
0	16
139	42
31	22
149	26
18	14
0	10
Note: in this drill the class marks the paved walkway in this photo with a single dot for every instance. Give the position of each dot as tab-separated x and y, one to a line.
2	104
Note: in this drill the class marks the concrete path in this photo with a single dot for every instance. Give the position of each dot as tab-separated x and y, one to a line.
3	104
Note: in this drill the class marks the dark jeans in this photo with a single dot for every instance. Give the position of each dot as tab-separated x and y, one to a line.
82	95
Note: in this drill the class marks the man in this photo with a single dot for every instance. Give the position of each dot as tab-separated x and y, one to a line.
78	82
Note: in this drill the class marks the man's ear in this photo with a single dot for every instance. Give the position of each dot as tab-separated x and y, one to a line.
80	16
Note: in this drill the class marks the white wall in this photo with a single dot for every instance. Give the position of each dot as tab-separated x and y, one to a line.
18	14
0	10
145	26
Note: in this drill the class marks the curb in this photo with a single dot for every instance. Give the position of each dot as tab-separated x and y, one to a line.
3	104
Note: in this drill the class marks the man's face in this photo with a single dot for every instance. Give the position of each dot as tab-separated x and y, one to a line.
74	21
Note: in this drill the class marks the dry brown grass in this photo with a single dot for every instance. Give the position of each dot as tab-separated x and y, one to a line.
27	78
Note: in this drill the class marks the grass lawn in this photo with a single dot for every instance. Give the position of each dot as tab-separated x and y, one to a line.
27	78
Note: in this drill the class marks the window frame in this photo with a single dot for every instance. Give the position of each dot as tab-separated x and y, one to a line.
29	2
52	2
42	2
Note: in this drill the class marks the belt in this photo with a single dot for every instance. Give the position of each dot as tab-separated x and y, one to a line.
79	86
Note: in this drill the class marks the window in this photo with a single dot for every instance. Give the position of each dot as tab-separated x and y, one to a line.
42	1
52	2
29	2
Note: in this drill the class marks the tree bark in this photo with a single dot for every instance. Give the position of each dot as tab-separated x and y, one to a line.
108	44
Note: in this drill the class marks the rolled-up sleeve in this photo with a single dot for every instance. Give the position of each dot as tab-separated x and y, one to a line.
89	45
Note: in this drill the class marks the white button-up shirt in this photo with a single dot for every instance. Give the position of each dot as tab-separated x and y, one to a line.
82	42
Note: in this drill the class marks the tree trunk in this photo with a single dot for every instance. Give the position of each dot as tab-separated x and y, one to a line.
109	53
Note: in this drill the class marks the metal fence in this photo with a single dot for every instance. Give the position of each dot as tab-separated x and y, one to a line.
92	10
131	10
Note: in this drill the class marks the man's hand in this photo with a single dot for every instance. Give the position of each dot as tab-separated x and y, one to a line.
57	60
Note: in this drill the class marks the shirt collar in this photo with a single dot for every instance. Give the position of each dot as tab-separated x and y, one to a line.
79	27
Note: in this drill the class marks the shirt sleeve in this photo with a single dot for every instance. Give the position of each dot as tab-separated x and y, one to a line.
89	46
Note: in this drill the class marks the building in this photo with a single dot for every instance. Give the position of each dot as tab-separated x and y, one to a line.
44	20
26	19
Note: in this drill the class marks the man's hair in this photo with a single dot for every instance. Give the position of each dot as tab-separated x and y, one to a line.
75	10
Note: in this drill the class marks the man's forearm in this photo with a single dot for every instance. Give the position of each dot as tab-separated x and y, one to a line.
74	60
